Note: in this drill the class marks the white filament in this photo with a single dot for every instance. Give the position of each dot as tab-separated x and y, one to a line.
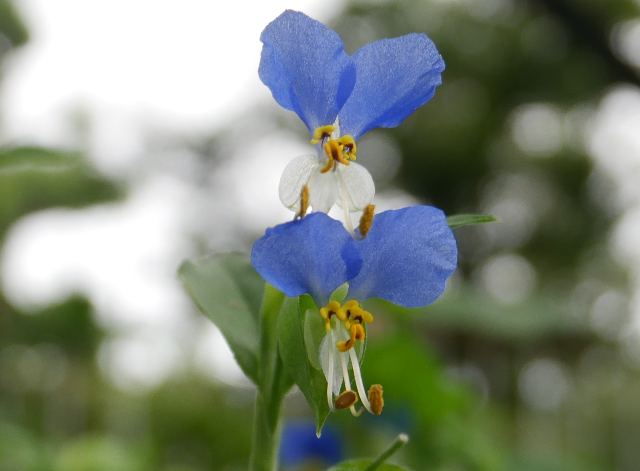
358	377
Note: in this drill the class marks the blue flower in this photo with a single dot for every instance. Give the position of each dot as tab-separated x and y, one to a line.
300	445
405	258
339	98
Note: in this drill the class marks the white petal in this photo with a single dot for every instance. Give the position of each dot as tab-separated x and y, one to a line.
327	344
295	175
356	181
323	190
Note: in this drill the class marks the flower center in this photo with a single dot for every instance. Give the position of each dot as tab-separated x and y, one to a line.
352	316
340	150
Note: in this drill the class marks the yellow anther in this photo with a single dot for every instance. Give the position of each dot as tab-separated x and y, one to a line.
366	220
342	314
375	398
327	150
353	317
330	310
346	400
348	145
356	314
322	132
357	333
304	202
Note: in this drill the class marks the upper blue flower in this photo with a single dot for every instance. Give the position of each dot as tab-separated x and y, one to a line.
304	64
341	97
406	257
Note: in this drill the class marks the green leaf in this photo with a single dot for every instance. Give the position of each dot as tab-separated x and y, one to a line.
11	25
314	332
228	290
293	352
18	159
362	465
460	220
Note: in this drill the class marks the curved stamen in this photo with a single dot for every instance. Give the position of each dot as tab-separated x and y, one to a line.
347	384
357	375
327	150
357	333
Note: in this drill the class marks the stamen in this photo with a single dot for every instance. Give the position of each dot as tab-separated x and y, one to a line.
327	150
340	155
349	144
346	400
304	202
342	314
347	384
357	375
321	133
375	397
328	311
366	220
345	371
357	333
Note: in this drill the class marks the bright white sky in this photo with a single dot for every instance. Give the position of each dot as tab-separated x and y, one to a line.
182	62
181	65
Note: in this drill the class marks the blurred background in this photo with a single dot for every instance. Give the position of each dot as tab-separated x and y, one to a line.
135	133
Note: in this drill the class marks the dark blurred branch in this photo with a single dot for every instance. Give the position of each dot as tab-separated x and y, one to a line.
592	33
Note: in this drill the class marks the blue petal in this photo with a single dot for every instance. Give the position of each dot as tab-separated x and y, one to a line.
313	255
304	64
406	257
393	78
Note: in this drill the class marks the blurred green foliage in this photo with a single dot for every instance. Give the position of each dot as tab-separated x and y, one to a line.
459	376
11	25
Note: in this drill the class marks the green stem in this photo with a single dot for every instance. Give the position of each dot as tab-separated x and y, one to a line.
273	383
400	441
266	436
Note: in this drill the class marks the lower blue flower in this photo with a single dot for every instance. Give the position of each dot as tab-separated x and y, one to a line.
405	258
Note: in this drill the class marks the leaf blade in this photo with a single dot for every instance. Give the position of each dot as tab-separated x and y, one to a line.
293	352
459	220
220	287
